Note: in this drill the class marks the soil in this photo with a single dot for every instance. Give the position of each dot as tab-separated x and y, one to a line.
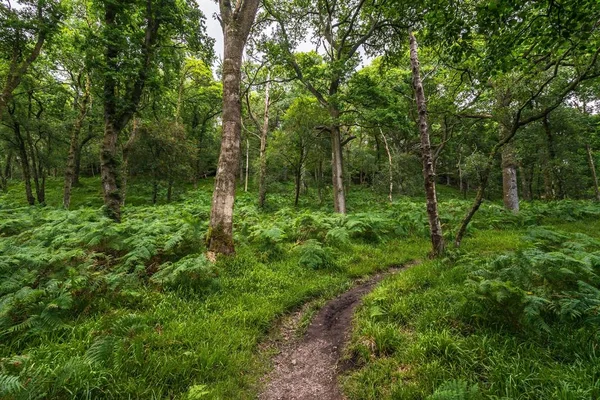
309	368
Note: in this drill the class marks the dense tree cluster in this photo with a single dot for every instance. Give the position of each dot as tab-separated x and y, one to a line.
498	98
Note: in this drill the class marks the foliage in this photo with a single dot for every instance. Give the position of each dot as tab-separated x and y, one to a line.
555	281
313	255
192	273
85	301
455	390
506	317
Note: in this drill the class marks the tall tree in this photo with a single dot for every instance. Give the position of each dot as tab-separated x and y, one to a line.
129	63
342	28
435	226
236	20
24	29
120	106
552	50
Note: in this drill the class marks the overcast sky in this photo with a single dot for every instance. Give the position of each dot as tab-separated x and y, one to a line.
209	8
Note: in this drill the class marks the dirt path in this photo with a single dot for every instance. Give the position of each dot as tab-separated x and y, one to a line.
309	368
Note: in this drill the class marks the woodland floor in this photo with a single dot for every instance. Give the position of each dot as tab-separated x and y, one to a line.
93	309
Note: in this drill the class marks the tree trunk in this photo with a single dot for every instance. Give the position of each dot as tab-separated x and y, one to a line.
390	165
221	220
435	226
593	169
510	188
337	164
236	28
119	108
110	168
297	179
262	177
74	146
109	161
36	171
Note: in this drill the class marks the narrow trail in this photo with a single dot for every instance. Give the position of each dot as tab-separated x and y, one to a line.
309	367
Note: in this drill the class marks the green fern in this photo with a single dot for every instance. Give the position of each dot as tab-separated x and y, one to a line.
456	390
313	255
9	384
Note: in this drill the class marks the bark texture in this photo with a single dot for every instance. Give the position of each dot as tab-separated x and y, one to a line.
435	226
24	158
337	164
510	187
236	22
390	166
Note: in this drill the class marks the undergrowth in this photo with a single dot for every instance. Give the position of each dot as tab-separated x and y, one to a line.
93	309
518	324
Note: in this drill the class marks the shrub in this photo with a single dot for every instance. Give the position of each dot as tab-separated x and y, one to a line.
313	255
555	280
192	273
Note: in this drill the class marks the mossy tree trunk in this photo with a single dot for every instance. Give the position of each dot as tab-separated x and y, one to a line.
24	159
6	171
119	108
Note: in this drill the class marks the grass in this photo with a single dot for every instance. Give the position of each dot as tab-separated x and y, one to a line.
90	309
416	336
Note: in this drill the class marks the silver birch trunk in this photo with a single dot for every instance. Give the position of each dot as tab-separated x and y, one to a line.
435	226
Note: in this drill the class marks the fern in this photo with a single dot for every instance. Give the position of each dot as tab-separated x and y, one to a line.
553	281
313	255
456	390
193	273
197	392
9	384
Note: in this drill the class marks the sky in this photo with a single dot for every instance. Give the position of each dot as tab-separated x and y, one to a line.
209	8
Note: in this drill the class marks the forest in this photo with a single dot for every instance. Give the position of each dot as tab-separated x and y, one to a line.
296	199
